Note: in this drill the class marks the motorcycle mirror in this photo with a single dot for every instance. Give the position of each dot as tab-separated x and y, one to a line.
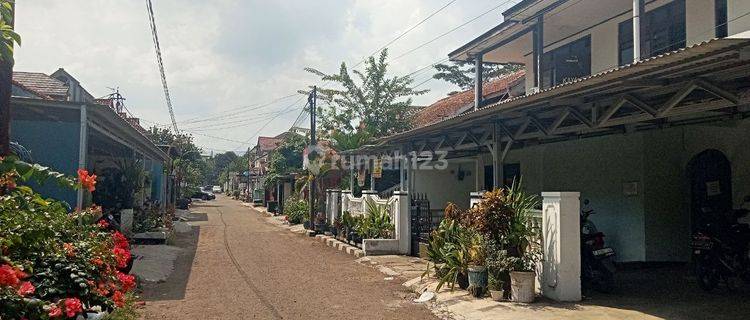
585	201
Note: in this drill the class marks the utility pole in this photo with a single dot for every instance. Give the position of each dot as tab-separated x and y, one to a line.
312	100
249	193
6	85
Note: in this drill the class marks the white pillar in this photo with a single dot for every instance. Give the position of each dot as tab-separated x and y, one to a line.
561	271
403	222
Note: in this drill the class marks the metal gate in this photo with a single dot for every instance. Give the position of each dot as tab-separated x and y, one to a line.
421	223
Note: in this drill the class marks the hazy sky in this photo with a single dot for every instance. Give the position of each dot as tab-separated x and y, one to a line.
221	55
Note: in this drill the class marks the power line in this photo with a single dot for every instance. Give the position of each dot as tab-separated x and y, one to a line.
238	124
271	120
159	60
406	31
234	111
451	30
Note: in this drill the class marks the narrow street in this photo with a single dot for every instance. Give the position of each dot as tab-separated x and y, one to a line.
237	266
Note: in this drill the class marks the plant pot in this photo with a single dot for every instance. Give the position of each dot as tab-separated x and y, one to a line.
522	286
462	280
306	225
478	276
321	227
497	295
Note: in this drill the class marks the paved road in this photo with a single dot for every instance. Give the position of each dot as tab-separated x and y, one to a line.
237	266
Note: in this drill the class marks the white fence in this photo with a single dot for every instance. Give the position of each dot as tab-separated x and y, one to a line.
398	208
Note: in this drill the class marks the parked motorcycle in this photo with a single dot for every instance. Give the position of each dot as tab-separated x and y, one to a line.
597	265
721	250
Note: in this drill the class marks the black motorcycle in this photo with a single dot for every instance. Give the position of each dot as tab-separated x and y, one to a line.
720	251
597	265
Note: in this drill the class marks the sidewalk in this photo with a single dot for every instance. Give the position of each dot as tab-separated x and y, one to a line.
459	304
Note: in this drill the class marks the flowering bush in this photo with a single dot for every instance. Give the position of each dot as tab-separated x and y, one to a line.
55	264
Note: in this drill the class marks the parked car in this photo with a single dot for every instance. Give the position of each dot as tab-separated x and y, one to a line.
216	189
203	195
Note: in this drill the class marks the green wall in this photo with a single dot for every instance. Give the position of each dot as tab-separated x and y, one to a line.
52	144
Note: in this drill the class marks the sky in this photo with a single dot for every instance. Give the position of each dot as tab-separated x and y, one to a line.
227	60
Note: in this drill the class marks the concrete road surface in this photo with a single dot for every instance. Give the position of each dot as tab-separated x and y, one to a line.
237	266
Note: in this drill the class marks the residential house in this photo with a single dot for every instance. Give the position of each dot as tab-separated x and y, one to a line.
66	128
653	134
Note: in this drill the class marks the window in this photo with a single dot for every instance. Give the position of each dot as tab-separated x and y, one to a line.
566	63
720	11
663	30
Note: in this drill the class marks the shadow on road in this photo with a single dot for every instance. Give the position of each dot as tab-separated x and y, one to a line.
174	287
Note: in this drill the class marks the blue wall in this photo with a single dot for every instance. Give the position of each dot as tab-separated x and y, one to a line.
157	174
52	144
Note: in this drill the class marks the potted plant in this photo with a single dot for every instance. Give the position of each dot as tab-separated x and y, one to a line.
477	271
495	286
522	243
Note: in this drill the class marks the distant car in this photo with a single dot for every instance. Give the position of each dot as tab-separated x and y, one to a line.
216	189
203	195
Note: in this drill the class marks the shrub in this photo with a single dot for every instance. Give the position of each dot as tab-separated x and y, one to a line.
52	263
296	210
376	224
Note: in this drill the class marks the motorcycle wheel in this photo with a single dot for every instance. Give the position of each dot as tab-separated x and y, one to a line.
708	277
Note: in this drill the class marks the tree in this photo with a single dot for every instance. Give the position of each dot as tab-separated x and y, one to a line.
217	164
287	158
9	37
369	101
188	165
461	73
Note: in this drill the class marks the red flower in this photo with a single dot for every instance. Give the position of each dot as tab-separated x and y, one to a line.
70	250
8	276
97	262
55	312
122	256
73	306
120	240
26	289
119	299
103	224
87	181
102	289
127	282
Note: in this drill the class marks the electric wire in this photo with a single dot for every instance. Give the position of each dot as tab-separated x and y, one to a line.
405	32
160	62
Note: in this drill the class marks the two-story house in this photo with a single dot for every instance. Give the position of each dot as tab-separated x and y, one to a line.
651	126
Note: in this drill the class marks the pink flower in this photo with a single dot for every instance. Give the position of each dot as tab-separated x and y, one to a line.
73	307
103	224
8	276
119	299
70	250
55	312
122	256
26	289
127	282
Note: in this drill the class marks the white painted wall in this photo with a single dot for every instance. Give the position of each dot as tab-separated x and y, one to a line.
597	168
442	186
700	21
667	203
735	11
655	224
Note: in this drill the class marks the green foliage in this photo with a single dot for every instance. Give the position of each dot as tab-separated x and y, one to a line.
147	219
128	312
286	159
373	102
28	172
296	210
376	223
64	255
9	36
188	165
343	141
462	73
117	186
